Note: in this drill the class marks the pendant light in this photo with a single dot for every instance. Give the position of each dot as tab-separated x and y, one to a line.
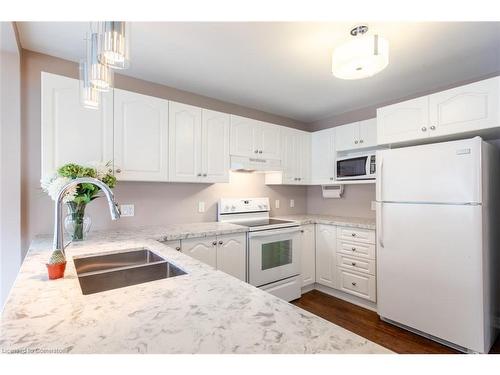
89	96
101	76
363	56
114	40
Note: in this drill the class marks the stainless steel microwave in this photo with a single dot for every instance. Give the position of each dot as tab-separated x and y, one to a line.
359	167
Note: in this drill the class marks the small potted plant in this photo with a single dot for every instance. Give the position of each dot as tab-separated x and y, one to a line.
56	265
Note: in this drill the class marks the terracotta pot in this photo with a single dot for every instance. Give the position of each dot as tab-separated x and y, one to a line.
56	271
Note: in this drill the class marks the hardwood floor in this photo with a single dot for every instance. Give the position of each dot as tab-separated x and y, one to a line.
367	324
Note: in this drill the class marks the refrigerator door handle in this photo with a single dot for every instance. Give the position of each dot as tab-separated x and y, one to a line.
378	180
380	225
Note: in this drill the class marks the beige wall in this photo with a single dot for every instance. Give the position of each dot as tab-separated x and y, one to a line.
155	203
355	202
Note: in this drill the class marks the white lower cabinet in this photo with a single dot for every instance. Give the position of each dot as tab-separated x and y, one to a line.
226	253
356	283
231	255
308	255
326	243
203	249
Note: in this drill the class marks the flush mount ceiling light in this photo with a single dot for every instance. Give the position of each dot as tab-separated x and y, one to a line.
362	56
114	42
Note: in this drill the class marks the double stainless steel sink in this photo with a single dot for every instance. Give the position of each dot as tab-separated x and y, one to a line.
112	270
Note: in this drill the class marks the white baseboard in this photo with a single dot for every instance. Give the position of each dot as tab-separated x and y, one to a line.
341	295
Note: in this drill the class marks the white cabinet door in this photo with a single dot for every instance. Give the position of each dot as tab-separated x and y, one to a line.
466	108
140	137
326	242
203	249
290	142
268	141
368	133
71	133
347	137
308	255
185	143
231	255
323	156
404	121
242	136
304	161
215	146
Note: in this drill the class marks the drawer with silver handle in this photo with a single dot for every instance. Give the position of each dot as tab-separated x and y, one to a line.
363	250
355	283
356	264
356	234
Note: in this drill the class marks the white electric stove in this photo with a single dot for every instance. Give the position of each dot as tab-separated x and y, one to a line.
273	245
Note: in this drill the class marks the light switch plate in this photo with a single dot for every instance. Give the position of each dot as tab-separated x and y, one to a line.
277	203
292	203
374	206
127	210
201	207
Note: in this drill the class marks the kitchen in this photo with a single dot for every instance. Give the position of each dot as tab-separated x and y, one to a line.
244	230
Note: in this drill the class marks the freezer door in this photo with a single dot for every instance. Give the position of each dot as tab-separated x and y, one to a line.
448	172
429	274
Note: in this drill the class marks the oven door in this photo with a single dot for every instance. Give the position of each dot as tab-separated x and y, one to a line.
353	168
273	255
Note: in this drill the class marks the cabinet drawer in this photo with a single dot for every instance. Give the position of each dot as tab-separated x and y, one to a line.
364	250
356	283
356	264
356	234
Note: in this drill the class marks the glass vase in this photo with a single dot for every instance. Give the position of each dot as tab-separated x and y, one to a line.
76	223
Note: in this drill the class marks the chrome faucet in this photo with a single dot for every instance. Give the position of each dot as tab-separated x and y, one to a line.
58	243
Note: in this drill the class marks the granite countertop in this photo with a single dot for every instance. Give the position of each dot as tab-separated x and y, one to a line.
346	221
204	311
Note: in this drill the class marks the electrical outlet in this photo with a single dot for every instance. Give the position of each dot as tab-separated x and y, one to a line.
126	210
277	203
292	203
374	206
201	207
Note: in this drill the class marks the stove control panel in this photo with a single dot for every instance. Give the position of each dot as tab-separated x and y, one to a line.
243	205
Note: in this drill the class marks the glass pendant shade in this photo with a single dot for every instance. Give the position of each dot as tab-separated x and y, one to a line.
361	57
89	96
101	76
114	43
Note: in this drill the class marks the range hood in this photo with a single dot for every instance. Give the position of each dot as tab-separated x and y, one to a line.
246	164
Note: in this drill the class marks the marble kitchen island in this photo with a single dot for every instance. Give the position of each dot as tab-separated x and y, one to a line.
204	311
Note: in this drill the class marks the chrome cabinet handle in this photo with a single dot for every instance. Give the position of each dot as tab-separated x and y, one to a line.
433	127
331	178
424	129
118	170
353	263
353	249
110	170
199	174
353	283
355	142
256	152
260	151
204	175
220	242
214	243
178	248
360	141
353	234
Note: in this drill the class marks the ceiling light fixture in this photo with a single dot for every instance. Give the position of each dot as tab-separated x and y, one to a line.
89	96
101	76
114	42
362	56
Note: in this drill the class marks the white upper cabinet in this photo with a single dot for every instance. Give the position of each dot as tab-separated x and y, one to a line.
296	156
215	146
403	121
140	137
362	134
468	108
252	138
185	143
71	133
323	156
199	144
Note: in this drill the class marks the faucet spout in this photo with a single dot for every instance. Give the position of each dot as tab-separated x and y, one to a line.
58	243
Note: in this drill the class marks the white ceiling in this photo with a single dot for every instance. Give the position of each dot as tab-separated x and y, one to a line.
285	68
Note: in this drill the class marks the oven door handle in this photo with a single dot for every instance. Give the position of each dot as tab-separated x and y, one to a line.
266	233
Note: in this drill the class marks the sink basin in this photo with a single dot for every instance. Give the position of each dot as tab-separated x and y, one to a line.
106	271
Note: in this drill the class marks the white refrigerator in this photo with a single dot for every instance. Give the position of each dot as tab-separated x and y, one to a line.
437	241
